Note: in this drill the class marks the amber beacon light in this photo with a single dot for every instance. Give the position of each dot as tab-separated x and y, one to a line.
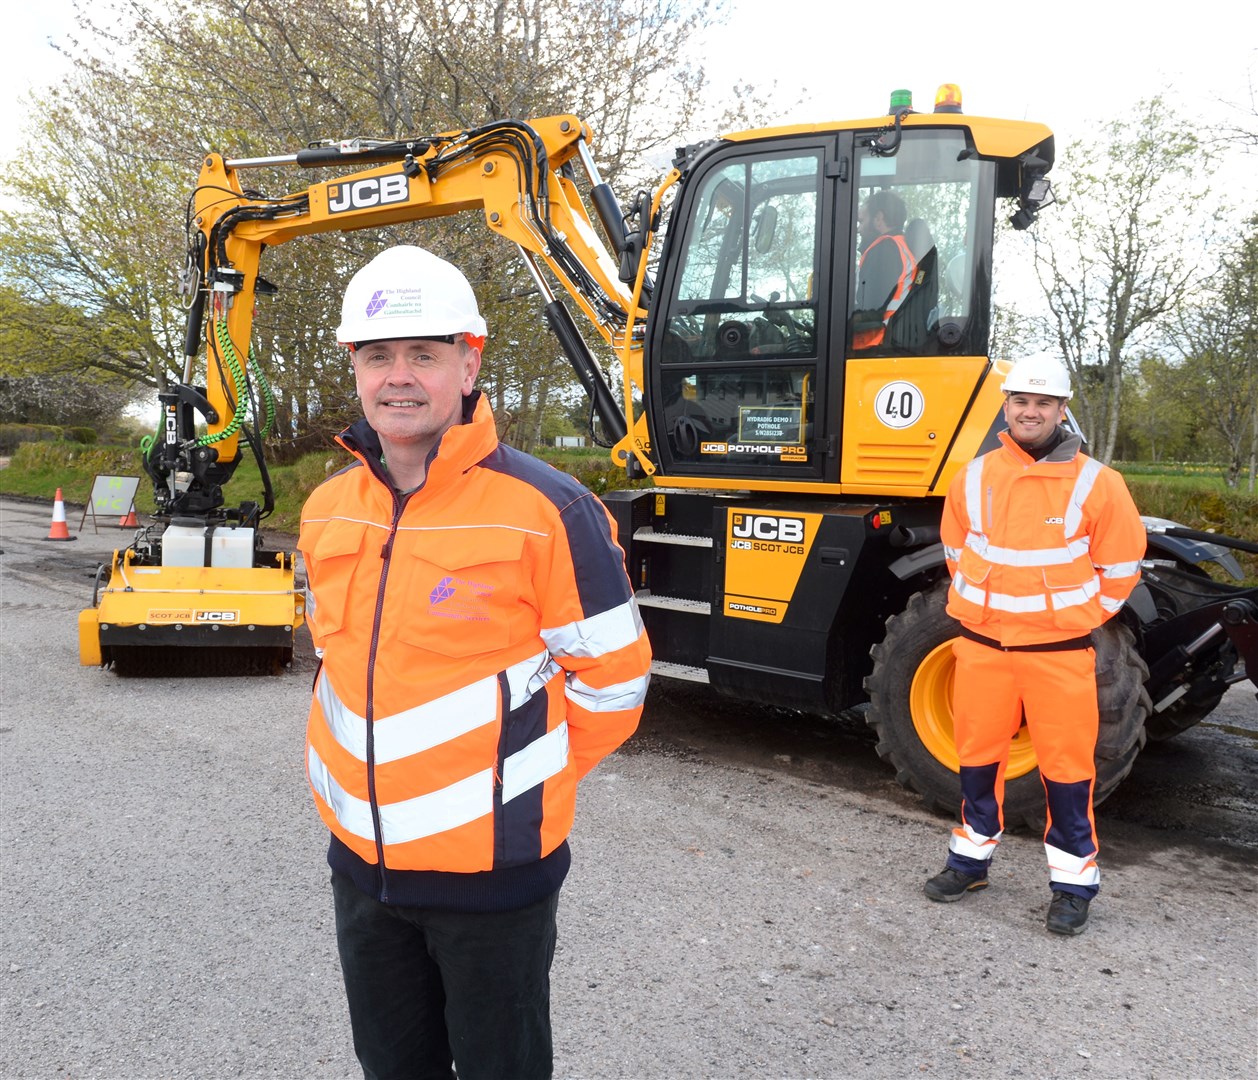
948	98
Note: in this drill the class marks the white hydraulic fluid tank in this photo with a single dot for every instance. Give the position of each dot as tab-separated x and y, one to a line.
184	545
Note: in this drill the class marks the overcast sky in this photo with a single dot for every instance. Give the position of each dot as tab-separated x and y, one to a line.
1062	62
1065	63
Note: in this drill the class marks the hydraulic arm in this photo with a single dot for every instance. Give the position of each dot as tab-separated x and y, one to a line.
523	177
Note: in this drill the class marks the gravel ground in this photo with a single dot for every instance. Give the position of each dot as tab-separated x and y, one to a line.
165	907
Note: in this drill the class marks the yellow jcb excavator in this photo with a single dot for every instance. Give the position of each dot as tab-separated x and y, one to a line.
800	421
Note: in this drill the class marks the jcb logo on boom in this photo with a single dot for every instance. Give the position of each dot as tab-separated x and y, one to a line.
764	527
363	194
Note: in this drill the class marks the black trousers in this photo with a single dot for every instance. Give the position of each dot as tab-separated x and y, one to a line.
428	989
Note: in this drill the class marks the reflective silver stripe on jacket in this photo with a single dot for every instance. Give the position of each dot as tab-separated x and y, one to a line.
616	628
974	495
432	724
626	695
1054	556
422	727
1079	495
1062	598
411	819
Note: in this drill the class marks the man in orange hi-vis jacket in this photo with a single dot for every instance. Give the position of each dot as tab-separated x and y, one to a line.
1044	544
887	266
481	652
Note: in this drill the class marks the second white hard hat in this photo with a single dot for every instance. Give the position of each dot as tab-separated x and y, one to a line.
408	292
1038	374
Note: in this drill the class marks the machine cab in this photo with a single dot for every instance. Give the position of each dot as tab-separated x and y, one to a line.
789	308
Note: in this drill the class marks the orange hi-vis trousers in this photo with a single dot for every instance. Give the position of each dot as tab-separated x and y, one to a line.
1056	689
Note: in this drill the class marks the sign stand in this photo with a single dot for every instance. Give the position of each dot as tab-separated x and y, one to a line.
112	496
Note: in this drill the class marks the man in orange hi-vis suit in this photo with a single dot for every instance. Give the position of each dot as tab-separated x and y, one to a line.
1044	545
481	653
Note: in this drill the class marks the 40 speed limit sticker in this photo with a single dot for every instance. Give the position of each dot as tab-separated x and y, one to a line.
899	404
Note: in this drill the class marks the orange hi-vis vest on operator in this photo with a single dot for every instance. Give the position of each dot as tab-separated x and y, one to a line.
867	339
1039	551
481	652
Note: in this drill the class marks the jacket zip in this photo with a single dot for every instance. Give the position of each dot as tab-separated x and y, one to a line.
386	553
500	832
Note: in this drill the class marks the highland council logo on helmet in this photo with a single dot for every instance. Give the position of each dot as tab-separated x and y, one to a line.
408	292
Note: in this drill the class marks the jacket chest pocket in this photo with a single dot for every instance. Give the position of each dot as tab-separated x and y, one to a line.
336	562
465	588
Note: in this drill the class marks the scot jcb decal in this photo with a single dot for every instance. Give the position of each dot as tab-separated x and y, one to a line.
202	616
369	192
765	556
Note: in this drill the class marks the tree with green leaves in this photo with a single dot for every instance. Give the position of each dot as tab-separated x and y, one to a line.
1160	420
1120	252
1217	336
156	84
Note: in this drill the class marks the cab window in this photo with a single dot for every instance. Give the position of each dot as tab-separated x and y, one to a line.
920	274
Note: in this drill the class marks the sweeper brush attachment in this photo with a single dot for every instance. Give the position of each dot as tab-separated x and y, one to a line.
154	619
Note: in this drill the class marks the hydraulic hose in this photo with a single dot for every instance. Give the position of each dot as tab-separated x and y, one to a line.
1212	538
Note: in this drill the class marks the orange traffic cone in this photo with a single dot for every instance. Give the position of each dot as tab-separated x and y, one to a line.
59	530
130	521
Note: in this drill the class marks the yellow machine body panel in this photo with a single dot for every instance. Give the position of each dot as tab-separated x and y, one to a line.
900	418
766	554
993	136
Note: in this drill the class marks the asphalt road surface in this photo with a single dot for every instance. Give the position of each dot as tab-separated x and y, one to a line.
745	899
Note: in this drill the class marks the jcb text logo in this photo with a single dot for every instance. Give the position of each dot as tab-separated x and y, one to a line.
218	616
373	191
764	527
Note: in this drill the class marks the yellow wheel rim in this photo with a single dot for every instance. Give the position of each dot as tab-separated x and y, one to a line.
930	703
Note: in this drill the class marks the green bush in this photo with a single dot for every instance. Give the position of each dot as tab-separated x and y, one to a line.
85	435
590	466
38	468
13	435
1208	507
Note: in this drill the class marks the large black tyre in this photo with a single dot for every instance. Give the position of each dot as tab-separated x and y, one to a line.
910	694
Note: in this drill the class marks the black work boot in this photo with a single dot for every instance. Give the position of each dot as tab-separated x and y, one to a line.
951	885
1068	913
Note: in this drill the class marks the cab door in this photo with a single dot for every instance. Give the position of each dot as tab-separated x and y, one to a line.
738	386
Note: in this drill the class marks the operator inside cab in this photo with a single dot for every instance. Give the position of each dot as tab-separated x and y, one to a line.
886	269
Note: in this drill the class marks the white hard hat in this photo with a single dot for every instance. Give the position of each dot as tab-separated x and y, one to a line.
1039	374
407	292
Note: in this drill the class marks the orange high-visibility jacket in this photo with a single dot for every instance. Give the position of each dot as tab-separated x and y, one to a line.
1039	551
481	652
867	339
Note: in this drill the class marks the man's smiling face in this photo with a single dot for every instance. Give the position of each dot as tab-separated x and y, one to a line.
412	389
1032	418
